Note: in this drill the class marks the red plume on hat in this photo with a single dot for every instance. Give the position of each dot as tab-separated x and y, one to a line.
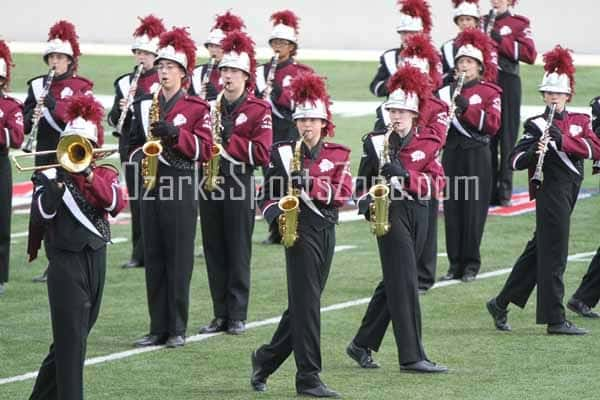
309	88
480	40
65	31
182	42
417	8
459	2
88	108
419	45
286	17
229	22
559	60
5	54
150	26
240	42
411	80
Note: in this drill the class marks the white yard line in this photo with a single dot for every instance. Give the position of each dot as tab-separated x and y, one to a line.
252	325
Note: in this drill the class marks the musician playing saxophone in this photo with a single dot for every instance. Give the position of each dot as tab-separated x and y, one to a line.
324	184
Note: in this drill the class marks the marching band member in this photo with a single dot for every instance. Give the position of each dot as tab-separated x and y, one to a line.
169	210
413	173
62	56
466	16
544	259
144	48
274	86
466	158
512	35
415	17
210	87
11	136
228	212
323	183
71	209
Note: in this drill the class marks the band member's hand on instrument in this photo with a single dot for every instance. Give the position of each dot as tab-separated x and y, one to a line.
461	104
50	102
53	191
211	91
394	168
496	36
595	104
122	104
276	91
556	136
87	173
164	129
301	180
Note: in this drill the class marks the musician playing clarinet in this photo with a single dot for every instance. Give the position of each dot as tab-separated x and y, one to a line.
570	140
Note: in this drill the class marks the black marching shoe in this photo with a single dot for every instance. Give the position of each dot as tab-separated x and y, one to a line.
581	309
236	327
448	277
565	328
361	355
132	264
41	278
258	379
150	340
175	341
468	277
216	325
320	390
499	315
423	367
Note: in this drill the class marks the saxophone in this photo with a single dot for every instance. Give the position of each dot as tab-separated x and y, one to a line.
152	148
211	167
380	191
290	204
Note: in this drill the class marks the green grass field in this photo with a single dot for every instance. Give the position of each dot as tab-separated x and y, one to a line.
458	332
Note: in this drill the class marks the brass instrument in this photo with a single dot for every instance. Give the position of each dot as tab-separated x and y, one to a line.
32	139
211	167
206	78
130	96
538	176
271	76
459	86
290	204
380	192
73	152
152	148
491	21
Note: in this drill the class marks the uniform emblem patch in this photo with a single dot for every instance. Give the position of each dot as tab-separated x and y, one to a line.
417	155
241	119
325	165
475	99
179	120
18	118
287	81
66	92
505	30
575	130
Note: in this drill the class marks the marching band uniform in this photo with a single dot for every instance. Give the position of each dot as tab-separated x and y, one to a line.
228	213
466	158
326	184
224	24
512	35
414	174
169	210
11	136
544	259
71	210
145	40
415	17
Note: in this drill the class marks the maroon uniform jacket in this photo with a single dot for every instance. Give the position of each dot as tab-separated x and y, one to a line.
11	123
281	100
480	120
328	165
418	156
198	78
516	44
190	114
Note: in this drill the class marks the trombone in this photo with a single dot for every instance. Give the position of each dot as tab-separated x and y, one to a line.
74	153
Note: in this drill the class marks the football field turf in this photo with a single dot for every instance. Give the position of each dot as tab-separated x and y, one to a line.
457	331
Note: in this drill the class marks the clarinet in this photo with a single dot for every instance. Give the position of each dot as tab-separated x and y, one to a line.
271	76
457	91
32	139
537	178
491	21
130	96
206	78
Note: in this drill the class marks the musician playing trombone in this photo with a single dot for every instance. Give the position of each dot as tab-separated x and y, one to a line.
316	175
555	143
128	87
407	165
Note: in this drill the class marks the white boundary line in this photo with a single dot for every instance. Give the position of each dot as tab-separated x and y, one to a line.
270	321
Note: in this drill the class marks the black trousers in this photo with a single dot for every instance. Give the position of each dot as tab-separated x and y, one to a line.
169	223
133	180
544	259
466	206
5	215
427	262
396	297
307	264
589	290
503	143
227	216
75	286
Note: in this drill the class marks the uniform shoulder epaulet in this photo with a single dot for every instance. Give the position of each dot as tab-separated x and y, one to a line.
255	100
336	146
281	143
108	167
492	85
37	77
373	133
580	115
196	99
522	18
305	68
141	98
83	79
121	77
14	100
437	100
